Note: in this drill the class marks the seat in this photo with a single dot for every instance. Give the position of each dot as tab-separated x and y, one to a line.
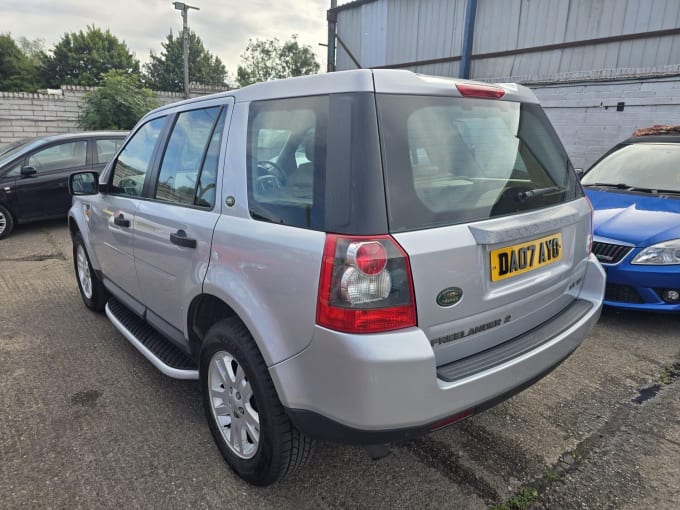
300	183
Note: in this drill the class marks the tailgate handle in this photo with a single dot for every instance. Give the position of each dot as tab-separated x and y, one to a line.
121	221
180	239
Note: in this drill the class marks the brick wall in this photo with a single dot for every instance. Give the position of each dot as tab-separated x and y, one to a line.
584	113
24	115
586	118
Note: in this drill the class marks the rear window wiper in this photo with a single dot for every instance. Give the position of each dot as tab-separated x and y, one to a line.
523	196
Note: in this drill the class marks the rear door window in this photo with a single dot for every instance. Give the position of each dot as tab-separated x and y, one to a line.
452	160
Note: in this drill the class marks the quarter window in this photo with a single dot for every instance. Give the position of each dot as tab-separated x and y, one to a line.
15	170
287	160
134	161
194	142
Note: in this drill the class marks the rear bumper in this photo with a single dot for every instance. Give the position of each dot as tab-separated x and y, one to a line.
367	389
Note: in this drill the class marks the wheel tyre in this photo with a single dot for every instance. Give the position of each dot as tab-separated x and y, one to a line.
95	295
280	448
6	222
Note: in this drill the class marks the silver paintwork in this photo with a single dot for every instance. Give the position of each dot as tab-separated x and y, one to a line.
444	257
84	275
165	369
113	245
406	82
231	398
268	274
386	381
170	275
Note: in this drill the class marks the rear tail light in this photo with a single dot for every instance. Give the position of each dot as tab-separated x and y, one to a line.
480	90
365	285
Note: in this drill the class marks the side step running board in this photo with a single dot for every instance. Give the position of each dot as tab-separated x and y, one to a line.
162	353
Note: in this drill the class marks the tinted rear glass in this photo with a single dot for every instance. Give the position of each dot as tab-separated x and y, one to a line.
453	160
314	162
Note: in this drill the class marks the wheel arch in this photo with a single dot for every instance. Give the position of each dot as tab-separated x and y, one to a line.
208	308
77	224
11	212
204	311
73	227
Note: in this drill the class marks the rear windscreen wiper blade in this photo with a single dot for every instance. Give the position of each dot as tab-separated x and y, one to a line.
538	192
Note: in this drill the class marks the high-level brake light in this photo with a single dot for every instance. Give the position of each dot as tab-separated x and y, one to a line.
480	90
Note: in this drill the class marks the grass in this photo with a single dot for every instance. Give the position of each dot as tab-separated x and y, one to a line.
668	373
522	501
551	476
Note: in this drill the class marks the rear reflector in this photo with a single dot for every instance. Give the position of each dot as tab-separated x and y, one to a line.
480	90
451	420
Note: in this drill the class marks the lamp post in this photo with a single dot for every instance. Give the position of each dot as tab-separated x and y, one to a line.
180	6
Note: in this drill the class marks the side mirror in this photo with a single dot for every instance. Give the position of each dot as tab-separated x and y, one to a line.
27	171
579	173
83	183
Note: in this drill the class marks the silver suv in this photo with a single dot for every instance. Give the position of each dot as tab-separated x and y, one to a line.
360	257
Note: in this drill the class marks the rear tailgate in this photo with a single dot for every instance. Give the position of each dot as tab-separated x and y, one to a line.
468	300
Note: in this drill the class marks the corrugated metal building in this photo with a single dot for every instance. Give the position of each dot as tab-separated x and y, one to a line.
602	68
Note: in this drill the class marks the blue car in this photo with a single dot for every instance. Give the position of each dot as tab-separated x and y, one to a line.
635	193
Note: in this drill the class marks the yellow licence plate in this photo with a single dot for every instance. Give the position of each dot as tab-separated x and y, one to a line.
521	258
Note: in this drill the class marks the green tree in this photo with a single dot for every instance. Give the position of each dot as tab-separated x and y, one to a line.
18	73
83	58
117	104
166	71
269	60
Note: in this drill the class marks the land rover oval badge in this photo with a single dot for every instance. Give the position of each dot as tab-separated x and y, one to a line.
449	297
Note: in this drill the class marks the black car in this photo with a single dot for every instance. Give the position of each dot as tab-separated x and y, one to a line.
34	173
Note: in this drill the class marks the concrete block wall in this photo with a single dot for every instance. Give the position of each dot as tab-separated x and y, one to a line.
584	113
26	115
586	118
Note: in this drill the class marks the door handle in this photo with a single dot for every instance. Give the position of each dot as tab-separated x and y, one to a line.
121	221
180	239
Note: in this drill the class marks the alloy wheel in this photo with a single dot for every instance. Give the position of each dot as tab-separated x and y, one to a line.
84	275
233	405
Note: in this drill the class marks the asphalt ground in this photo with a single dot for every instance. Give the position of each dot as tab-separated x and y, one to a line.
86	421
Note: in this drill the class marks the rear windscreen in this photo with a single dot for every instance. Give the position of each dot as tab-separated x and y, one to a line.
451	160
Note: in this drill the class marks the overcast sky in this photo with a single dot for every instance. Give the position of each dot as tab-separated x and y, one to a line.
224	25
